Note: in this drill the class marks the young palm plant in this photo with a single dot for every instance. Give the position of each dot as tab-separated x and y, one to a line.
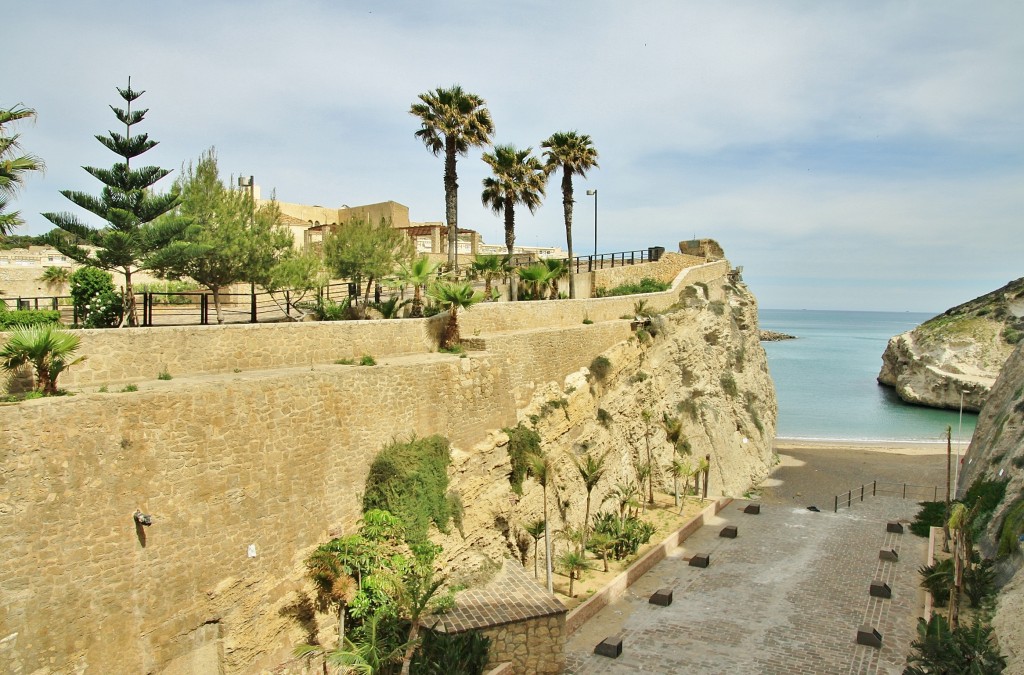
557	269
575	154
536	277
417	274
574	564
519	178
535	528
490	267
46	348
451	122
56	278
453	296
601	544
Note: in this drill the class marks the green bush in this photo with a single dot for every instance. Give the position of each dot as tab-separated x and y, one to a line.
411	481
646	285
367	360
97	304
967	649
27	317
600	367
522	442
604	417
1011	529
451	654
932	514
728	383
937	579
627	534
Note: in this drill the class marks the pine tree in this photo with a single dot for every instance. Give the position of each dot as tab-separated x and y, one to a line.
126	203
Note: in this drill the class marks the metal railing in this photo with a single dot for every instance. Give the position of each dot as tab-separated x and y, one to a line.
876	487
590	263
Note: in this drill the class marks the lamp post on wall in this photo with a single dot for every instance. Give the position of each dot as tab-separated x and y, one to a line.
250	183
593	193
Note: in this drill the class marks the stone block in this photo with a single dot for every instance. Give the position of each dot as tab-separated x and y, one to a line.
700	560
610	647
894	527
729	532
868	636
880	589
888	555
661	597
753	509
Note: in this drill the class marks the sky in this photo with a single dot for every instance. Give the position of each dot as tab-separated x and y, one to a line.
861	155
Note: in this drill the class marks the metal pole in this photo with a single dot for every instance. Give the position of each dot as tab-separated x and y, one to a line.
593	193
835	507
874	486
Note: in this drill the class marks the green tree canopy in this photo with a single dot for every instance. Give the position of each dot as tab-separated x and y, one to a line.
225	239
451	122
14	165
127	204
575	154
360	250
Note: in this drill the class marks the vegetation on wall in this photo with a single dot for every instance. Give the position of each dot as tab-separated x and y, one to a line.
522	442
646	285
411	481
27	317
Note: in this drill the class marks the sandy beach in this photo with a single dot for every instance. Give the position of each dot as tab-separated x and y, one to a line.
814	472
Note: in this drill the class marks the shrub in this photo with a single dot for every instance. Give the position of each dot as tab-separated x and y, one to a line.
522	443
937	579
1011	529
128	388
646	285
932	514
411	481
164	375
965	649
728	383
97	304
367	360
640	376
27	317
600	367
627	534
604	417
448	653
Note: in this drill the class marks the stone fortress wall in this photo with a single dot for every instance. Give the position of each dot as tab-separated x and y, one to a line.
243	472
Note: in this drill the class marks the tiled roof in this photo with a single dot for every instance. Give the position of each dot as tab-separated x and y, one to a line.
510	597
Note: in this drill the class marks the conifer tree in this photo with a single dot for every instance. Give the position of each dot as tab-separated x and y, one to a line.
127	204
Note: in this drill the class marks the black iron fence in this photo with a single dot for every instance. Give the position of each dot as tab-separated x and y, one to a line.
875	487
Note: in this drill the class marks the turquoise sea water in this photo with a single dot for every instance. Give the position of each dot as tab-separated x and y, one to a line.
825	379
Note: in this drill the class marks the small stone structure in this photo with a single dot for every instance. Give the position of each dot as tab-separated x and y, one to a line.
525	624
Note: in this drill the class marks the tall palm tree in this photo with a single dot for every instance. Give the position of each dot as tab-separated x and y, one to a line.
535	528
453	296
332	567
56	278
45	347
574	563
13	165
591	470
452	121
417	274
543	470
519	178
575	153
681	468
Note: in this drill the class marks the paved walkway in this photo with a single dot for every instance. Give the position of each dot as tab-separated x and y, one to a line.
786	596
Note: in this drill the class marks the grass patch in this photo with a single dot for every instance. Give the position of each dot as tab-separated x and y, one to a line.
367	360
128	388
646	285
164	375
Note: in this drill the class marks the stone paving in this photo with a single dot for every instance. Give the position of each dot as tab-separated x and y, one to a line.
786	596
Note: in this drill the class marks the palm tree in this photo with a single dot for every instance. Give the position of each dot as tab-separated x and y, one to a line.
519	178
646	416
575	153
573	563
535	528
490	267
624	494
557	269
681	468
453	296
372	655
333	568
543	470
13	165
56	278
46	347
452	121
601	543
643	473
703	466
417	274
591	470
536	277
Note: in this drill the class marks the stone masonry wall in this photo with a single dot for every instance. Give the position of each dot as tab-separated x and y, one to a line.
665	270
275	459
535	646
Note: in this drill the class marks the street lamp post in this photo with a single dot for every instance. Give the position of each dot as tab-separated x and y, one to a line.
593	193
959	441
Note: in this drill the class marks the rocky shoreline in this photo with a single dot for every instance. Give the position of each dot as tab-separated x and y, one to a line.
775	336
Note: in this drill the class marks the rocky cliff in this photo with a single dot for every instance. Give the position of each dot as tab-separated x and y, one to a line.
996	453
960	350
700	363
